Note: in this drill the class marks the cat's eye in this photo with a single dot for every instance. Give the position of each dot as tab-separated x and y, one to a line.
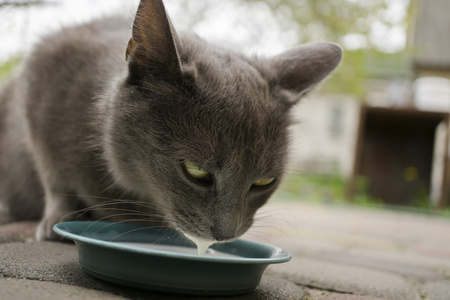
264	181
195	171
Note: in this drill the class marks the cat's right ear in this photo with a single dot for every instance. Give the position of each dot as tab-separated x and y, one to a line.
152	48
296	71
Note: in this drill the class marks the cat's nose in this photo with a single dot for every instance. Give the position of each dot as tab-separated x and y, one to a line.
221	235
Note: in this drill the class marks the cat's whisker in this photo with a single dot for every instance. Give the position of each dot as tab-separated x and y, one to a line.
163	236
272	221
105	206
180	239
112	201
128	232
119	222
259	236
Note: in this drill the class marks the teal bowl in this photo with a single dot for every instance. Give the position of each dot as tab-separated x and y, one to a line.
103	255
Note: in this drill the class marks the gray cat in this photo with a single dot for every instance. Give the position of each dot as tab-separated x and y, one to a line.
169	130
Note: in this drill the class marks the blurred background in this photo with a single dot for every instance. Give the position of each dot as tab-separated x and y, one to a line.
375	134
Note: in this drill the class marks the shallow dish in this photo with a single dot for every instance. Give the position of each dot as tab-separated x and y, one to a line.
102	255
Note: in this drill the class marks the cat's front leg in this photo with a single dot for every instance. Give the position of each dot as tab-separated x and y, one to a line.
58	208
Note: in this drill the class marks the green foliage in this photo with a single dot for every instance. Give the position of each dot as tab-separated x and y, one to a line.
361	194
333	19
359	65
8	66
349	78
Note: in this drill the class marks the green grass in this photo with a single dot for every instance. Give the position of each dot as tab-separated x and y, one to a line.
331	189
7	67
325	189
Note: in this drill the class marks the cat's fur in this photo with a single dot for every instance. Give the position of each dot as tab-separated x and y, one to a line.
81	126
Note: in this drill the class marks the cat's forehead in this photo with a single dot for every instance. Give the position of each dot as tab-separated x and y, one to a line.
223	72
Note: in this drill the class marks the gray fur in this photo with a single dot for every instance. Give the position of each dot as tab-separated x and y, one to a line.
98	136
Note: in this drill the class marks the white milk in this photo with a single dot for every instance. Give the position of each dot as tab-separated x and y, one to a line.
202	245
187	250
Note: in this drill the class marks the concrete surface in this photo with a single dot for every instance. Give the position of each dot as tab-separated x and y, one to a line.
339	253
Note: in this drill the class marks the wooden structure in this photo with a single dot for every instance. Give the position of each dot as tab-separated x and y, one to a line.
394	153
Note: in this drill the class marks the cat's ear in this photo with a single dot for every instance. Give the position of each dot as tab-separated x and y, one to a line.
298	70
152	48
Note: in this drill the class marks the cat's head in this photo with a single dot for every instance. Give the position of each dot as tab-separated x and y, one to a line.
202	130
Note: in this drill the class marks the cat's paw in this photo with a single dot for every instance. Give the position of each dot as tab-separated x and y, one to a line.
45	228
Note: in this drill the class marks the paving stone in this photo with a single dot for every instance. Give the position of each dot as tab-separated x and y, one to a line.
58	262
408	265
346	279
17	232
437	290
272	286
6	237
326	295
18	289
23	228
351	297
315	229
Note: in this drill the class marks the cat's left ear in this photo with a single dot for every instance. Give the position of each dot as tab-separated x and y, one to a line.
152	48
298	70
